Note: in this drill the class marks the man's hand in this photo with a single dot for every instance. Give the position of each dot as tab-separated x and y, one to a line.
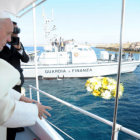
18	46
27	100
41	108
42	111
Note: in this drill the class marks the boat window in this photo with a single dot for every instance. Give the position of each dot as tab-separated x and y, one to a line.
80	49
85	49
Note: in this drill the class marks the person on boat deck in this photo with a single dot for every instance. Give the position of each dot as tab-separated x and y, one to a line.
13	52
62	45
59	47
15	109
56	45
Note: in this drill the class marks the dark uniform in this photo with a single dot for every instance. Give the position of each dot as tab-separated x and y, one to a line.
13	56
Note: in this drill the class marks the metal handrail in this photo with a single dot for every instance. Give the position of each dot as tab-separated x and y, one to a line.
118	126
118	74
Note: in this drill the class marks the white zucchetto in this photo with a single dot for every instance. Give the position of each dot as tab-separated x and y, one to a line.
4	14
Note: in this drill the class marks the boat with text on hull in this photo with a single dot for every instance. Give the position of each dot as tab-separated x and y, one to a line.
75	63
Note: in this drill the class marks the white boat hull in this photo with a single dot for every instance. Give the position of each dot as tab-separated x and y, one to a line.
79	70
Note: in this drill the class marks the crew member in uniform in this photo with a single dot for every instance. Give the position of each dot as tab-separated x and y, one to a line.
14	52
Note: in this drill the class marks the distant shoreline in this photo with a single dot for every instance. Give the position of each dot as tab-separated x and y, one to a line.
117	49
133	47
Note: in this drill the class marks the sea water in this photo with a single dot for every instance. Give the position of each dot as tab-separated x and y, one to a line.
82	127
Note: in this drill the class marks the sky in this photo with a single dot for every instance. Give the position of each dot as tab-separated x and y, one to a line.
93	21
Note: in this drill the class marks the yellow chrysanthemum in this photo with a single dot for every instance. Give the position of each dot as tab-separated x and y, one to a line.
103	87
87	83
94	83
105	81
96	93
91	86
121	89
101	90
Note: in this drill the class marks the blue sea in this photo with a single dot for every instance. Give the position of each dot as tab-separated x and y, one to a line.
82	127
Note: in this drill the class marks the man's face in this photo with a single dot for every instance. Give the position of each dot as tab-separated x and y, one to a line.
6	29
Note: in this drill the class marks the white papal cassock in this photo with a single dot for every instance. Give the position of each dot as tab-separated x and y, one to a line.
13	113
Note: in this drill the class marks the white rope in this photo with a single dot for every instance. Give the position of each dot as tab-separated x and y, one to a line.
60	130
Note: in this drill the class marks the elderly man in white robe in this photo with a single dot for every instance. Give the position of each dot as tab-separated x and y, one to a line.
15	110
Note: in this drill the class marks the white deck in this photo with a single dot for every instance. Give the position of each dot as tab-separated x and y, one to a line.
40	131
27	134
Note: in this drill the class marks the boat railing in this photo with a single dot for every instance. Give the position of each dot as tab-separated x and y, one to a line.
105	121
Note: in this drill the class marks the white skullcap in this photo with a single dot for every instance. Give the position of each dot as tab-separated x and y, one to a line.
4	14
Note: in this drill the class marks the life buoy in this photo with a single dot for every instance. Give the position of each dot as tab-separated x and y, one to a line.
76	54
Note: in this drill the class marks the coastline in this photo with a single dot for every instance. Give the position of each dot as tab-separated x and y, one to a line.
133	47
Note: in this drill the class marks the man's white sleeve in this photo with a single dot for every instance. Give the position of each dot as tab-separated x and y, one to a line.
14	94
25	114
